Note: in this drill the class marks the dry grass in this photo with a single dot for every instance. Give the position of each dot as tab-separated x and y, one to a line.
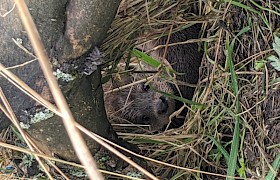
230	135
233	125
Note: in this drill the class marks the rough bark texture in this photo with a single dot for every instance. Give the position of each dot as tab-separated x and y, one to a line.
69	30
87	24
85	98
44	14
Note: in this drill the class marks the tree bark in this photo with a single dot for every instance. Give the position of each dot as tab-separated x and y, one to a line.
69	31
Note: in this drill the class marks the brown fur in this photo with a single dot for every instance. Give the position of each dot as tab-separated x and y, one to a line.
142	107
139	105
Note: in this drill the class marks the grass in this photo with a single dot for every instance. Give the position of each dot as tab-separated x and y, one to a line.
227	132
276	165
227	135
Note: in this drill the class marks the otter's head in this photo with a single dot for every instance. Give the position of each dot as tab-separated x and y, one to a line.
142	104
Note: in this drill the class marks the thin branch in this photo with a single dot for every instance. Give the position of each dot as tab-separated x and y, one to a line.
74	134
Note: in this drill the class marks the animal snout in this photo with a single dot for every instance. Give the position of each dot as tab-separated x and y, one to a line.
162	105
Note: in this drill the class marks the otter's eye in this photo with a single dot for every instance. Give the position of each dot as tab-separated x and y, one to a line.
145	119
145	87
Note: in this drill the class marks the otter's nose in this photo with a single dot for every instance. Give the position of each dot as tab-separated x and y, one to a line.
162	105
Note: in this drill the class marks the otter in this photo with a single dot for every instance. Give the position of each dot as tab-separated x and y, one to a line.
140	103
144	103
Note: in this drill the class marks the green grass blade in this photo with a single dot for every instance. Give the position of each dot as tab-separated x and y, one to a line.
151	61
265	9
276	167
184	100
213	120
220	148
146	58
232	164
237	3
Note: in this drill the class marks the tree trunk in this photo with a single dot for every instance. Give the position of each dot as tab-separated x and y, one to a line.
69	31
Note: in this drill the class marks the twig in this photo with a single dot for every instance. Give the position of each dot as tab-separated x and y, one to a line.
75	136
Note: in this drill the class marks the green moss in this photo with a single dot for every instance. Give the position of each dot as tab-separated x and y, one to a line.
24	126
41	115
135	174
105	161
63	76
